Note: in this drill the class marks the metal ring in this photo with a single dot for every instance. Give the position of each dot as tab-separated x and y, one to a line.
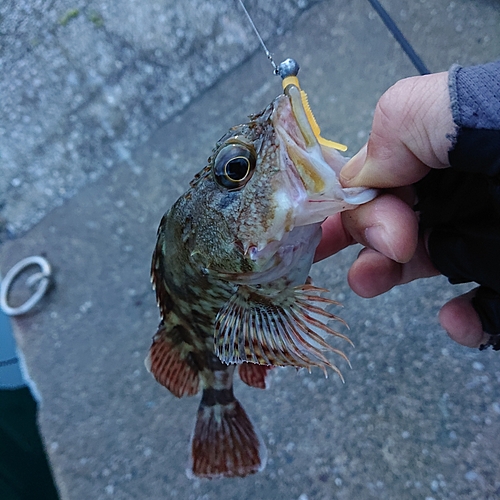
43	282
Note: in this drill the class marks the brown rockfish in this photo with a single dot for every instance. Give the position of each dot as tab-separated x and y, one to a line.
230	270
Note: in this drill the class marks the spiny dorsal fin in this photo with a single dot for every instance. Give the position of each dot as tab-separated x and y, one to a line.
163	297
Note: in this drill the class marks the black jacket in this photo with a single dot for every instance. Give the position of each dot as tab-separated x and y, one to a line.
461	204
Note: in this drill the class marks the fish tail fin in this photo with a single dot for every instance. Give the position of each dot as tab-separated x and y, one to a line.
224	442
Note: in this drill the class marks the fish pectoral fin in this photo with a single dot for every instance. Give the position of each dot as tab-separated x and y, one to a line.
283	328
169	363
224	441
254	375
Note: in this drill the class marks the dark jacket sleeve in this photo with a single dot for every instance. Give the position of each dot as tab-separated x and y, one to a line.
460	206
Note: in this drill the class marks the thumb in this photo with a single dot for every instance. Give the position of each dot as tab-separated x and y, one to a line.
411	133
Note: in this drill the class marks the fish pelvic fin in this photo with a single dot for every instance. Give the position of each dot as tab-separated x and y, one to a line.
254	375
224	441
282	328
170	362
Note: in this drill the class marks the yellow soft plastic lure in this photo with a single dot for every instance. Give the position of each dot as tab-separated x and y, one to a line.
288	70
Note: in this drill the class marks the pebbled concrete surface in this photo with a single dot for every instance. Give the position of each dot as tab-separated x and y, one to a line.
418	416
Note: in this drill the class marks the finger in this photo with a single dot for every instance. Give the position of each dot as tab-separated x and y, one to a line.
334	238
386	224
461	321
411	132
399	168
374	273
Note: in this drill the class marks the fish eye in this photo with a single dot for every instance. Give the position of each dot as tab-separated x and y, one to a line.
233	166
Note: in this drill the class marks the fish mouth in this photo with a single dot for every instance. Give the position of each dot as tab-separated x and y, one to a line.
314	160
302	146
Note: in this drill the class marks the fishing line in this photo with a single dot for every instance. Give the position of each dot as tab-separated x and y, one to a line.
387	20
268	54
403	42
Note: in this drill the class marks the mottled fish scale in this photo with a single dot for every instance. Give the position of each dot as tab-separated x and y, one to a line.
230	269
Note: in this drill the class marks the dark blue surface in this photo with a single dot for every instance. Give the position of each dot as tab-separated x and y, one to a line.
10	372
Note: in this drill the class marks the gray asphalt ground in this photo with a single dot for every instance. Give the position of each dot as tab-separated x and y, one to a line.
108	111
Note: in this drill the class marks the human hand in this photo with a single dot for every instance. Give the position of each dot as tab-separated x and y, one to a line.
411	134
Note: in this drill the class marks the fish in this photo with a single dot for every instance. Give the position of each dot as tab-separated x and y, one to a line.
230	271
